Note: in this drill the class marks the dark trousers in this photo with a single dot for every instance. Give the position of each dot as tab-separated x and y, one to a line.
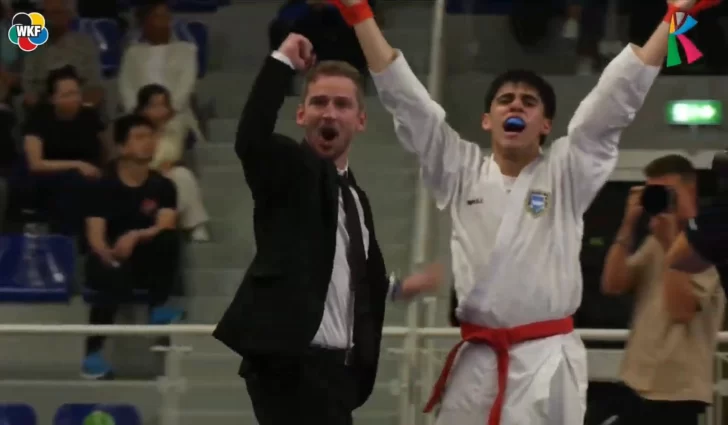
153	266
640	411
316	387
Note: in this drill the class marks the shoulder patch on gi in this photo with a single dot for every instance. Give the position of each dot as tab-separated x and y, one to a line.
537	202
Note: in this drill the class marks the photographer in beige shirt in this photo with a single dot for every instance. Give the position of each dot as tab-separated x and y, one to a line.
668	362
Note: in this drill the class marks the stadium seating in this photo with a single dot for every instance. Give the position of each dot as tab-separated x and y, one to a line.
190	6
97	414
138	296
17	414
107	35
194	6
491	7
195	32
36	268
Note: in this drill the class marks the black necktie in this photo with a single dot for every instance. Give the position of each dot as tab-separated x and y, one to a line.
357	260
355	254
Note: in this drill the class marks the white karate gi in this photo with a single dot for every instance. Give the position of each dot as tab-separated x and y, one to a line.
524	268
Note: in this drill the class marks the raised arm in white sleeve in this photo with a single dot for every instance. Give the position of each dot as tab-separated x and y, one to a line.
420	125
589	152
419	121
591	146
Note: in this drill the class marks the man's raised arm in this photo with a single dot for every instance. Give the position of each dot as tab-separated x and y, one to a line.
596	127
419	121
262	153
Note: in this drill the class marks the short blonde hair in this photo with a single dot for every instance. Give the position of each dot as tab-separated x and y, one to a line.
333	68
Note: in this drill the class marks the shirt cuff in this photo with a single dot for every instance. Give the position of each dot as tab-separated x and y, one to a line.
283	58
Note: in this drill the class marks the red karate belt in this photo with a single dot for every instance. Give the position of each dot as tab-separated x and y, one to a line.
500	340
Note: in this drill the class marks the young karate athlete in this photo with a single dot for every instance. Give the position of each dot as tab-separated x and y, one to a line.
517	222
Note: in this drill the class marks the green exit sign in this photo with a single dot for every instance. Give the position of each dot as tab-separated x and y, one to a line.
695	112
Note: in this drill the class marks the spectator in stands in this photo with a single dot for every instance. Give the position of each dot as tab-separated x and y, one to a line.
283	23
130	229
109	9
590	17
668	361
64	47
154	102
160	59
64	150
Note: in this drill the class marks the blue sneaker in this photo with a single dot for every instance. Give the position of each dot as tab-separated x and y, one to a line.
165	315
94	366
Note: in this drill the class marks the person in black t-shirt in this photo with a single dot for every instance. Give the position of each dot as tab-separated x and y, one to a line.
131	231
63	150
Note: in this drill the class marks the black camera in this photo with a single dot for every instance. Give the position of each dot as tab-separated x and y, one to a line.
708	232
658	199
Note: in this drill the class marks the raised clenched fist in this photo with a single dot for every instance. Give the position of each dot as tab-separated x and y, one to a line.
299	50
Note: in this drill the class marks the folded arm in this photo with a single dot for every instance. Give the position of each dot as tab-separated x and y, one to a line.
262	153
33	147
96	211
167	213
596	127
419	121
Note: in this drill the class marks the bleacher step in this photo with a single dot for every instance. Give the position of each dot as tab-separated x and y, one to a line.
372	151
47	396
231	395
236	206
229	104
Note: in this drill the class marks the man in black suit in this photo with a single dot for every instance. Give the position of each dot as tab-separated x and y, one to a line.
307	318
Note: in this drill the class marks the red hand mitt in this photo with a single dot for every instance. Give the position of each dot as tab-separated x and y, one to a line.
700	6
356	14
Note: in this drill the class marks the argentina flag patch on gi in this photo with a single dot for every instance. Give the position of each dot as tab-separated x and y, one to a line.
537	202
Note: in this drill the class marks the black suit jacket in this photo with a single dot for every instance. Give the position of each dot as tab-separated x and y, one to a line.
280	303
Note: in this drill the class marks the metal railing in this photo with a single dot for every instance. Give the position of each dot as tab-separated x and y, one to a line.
422	227
173	384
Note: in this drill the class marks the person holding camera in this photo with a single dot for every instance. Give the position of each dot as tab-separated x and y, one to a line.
705	240
668	362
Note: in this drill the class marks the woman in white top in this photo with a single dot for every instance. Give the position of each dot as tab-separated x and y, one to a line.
153	102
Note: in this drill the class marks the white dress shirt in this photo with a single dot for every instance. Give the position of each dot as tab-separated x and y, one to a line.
337	324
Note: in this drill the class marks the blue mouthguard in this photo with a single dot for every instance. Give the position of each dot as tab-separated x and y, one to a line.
514	124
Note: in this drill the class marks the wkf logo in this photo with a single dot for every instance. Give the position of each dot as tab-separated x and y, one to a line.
28	31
